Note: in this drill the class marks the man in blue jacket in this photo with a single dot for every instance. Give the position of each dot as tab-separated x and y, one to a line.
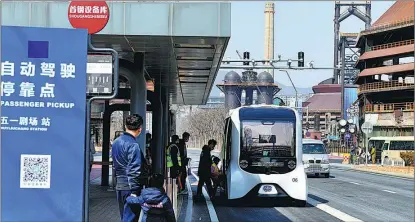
128	159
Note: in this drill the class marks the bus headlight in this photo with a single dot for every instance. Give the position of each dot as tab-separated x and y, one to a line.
325	161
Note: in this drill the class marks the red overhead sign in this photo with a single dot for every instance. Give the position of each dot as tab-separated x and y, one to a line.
91	15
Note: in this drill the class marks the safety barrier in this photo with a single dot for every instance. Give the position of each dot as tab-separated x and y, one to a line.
171	190
346	159
392	162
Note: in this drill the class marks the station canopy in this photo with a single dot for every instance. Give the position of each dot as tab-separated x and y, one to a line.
183	42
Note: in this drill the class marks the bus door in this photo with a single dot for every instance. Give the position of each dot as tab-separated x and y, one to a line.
227	145
385	150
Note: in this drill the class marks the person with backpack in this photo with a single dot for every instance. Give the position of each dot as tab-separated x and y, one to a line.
154	202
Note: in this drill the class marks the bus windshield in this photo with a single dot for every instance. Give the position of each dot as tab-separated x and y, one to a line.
313	149
262	140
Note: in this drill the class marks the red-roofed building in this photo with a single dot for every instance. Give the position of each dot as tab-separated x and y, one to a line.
386	79
322	108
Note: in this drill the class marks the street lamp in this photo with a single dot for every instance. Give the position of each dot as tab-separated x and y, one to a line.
296	93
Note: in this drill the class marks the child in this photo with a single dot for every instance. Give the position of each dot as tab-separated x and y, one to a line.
154	202
217	176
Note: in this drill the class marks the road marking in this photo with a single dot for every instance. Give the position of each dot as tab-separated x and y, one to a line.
189	210
354	183
330	210
212	213
388	191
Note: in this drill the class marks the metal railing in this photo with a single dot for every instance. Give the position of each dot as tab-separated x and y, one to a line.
388	107
389	25
391	45
384	86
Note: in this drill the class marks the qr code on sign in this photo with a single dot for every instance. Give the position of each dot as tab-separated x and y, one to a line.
35	171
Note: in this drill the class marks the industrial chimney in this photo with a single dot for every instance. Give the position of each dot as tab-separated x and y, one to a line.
269	33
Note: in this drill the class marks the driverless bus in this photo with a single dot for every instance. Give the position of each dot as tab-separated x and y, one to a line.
262	154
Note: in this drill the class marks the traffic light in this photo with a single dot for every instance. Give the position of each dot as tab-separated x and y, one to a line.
300	59
246	56
317	122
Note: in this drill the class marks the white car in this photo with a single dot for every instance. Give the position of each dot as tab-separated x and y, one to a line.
315	158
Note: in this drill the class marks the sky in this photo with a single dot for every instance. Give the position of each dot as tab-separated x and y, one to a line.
299	26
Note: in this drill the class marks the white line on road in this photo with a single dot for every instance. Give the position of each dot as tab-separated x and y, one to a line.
354	183
330	210
388	191
189	211
209	204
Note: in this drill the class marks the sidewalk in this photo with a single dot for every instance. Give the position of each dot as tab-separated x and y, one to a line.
385	170
103	205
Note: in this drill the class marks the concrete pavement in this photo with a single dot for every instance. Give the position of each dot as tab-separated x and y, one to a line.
346	196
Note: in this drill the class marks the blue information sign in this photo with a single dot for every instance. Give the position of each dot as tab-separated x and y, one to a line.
43	88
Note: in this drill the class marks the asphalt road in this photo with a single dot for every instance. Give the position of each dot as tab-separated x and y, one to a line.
345	196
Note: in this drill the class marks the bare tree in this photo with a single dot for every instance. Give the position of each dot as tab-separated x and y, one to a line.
203	125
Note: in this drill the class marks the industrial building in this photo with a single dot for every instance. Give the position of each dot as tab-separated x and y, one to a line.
386	79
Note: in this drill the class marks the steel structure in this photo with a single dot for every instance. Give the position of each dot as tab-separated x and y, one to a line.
338	18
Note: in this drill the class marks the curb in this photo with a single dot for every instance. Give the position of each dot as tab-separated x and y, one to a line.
386	173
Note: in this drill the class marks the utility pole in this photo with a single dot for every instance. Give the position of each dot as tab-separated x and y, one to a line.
296	92
343	47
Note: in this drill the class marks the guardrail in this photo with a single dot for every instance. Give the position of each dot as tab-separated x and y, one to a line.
388	107
384	86
389	25
391	45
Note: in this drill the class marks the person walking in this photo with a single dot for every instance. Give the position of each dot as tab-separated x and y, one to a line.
184	160
128	162
92	151
204	172
373	154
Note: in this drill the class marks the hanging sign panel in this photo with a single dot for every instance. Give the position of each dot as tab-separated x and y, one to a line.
100	74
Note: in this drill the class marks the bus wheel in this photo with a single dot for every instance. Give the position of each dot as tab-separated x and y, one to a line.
300	203
327	175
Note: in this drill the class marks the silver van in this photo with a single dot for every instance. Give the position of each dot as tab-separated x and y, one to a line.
315	158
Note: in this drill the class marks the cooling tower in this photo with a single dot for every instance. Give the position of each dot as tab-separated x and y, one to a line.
265	88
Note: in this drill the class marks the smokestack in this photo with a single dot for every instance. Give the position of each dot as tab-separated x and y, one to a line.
269	33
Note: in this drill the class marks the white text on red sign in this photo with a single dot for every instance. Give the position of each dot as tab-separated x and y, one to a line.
88	9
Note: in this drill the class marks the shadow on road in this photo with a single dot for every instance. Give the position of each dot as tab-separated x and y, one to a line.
255	202
314	176
321	200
